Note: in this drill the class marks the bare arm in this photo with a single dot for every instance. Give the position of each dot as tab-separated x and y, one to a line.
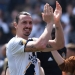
59	30
42	44
67	65
58	42
57	57
43	39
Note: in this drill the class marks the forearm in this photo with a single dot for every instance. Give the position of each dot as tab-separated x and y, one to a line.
40	44
43	39
57	57
59	35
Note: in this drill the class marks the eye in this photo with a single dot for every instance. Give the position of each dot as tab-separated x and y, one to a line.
25	22
30	22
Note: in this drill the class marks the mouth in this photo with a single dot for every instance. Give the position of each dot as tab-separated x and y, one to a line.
27	30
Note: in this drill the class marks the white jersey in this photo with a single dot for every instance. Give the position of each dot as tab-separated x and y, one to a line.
20	62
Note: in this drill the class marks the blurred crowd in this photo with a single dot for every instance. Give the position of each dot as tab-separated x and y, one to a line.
10	8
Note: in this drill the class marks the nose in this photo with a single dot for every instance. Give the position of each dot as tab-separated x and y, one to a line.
28	25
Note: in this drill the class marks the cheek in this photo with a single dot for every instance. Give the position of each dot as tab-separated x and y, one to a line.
31	28
20	26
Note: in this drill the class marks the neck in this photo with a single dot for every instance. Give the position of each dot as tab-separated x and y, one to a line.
24	37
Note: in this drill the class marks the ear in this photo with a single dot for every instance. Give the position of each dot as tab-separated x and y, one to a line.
15	24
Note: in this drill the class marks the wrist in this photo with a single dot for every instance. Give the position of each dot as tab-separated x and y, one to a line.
50	23
57	23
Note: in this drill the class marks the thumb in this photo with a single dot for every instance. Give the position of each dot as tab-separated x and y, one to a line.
42	15
56	4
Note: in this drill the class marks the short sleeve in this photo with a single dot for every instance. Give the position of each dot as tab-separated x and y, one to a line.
18	45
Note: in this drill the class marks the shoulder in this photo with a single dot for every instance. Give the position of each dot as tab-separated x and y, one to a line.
15	41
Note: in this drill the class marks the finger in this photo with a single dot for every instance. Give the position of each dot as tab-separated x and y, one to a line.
58	6
47	9
43	15
51	9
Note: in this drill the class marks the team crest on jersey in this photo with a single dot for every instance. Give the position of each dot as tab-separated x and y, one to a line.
33	59
22	42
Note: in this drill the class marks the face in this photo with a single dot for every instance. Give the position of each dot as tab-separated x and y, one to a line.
24	25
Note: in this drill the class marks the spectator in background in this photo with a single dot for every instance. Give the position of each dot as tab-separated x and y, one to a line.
2	57
71	35
65	18
37	9
4	4
69	12
66	65
70	51
11	27
2	37
2	23
14	4
5	67
12	16
4	29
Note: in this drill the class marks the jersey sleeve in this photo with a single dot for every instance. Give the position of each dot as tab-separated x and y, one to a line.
68	65
18	45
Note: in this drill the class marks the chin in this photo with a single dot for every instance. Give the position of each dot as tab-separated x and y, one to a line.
26	34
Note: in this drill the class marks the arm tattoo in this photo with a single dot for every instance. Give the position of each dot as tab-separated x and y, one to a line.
48	46
31	46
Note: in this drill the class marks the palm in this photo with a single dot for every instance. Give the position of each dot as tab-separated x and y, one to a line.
57	12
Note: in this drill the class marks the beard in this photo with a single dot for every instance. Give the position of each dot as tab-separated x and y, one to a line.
27	34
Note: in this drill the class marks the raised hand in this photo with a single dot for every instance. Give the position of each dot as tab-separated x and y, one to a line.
47	15
57	13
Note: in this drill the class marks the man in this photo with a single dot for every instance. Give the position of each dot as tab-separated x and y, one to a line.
20	50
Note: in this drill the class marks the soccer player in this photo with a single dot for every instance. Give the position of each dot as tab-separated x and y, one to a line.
21	51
